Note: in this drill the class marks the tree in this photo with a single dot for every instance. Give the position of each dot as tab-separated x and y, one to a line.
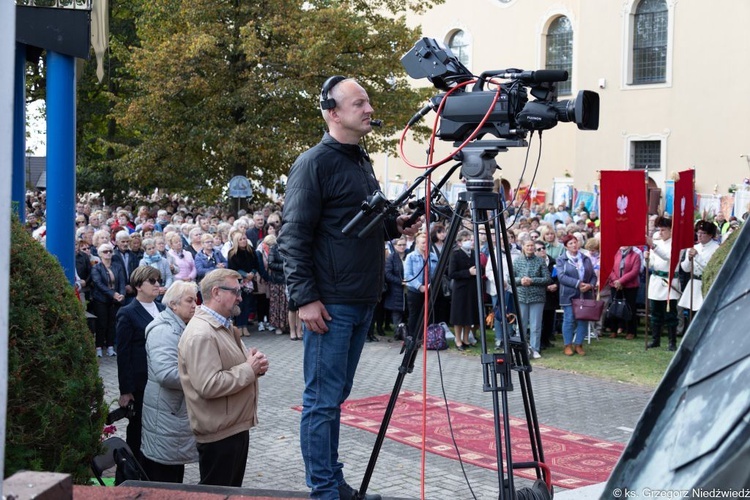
100	140
55	410
230	88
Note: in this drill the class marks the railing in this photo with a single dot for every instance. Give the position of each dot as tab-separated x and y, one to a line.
57	4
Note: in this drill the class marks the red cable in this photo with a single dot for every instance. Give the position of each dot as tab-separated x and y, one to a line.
435	126
426	269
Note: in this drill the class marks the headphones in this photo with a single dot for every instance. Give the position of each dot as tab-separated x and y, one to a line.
325	101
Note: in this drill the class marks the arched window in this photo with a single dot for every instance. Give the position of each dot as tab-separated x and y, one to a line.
460	46
650	30
560	50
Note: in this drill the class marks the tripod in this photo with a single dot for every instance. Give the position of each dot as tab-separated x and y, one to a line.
497	368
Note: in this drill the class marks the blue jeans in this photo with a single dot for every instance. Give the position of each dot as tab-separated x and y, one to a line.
330	362
571	326
531	317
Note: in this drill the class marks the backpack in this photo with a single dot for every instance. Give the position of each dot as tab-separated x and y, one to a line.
435	338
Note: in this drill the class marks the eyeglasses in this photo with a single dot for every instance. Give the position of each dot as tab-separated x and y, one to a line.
153	281
236	291
106	251
541	249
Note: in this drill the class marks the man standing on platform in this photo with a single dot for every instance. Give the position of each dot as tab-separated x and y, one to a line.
334	279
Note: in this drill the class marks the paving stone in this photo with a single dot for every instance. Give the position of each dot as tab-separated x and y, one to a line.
577	403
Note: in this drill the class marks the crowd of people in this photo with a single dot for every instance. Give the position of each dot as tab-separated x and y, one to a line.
174	288
555	255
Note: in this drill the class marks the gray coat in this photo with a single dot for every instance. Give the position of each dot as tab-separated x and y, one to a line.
167	438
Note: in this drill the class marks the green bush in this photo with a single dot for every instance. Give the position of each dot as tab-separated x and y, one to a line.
717	260
55	410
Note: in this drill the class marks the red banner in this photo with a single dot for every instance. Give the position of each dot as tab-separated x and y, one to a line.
624	215
683	217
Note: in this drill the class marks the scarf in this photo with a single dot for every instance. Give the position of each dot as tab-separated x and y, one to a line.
622	260
577	260
152	259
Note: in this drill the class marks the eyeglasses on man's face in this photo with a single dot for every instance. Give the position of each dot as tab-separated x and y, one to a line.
237	291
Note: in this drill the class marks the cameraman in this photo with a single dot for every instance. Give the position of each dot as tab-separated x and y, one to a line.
334	279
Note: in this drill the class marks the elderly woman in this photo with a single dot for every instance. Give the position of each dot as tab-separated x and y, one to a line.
183	260
195	237
532	278
132	371
577	278
153	258
625	280
107	294
167	442
208	258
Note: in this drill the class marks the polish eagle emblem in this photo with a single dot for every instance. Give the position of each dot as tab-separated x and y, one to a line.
682	206
622	204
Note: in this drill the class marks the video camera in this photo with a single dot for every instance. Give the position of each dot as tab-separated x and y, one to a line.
513	115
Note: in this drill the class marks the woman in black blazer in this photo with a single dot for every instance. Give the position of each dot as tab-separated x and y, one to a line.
107	294
132	365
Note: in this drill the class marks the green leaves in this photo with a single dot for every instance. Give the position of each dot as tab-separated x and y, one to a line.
210	89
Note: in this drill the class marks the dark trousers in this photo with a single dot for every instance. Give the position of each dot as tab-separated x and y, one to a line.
380	319
548	327
630	295
163	473
105	313
246	306
222	463
415	301
262	307
135	426
442	309
659	315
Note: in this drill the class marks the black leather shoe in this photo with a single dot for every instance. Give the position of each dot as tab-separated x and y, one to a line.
346	492
672	346
653	344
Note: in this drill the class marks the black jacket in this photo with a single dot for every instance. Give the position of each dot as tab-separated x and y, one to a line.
132	365
327	185
101	291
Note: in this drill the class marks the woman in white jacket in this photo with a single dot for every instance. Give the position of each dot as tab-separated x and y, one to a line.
168	442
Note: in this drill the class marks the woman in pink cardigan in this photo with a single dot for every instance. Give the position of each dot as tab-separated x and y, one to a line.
624	280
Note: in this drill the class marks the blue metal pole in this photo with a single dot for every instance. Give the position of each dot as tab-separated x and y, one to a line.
18	184
61	150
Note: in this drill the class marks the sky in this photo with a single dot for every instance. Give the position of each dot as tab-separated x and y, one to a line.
36	142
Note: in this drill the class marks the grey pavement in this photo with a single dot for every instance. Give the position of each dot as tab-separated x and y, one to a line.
580	404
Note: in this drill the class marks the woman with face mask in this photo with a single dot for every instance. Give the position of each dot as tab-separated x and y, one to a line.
464	303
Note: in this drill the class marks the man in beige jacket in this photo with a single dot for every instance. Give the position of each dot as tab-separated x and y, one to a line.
220	380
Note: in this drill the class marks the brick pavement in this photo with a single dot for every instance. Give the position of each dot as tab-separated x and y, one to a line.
577	403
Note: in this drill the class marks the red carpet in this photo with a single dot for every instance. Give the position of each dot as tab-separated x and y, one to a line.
574	460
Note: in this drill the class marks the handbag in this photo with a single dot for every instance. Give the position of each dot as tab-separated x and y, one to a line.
587	309
618	308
